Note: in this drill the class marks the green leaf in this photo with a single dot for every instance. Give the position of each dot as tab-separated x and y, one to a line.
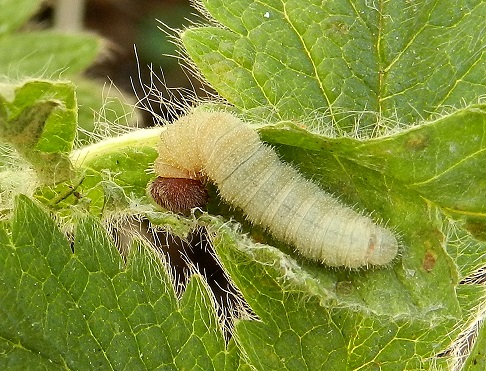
47	54
15	13
477	357
82	307
391	60
315	319
38	119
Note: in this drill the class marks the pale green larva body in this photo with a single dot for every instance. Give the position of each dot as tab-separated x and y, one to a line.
249	175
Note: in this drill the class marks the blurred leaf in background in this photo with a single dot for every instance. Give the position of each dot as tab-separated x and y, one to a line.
50	54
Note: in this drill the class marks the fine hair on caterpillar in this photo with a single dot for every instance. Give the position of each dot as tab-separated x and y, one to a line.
248	174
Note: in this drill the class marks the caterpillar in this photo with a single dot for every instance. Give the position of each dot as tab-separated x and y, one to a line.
248	174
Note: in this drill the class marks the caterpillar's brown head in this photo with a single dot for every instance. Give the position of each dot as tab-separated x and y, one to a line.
179	195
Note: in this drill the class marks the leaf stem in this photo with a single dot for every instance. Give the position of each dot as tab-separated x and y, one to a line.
138	138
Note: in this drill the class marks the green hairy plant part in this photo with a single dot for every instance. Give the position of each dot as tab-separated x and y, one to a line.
379	104
56	56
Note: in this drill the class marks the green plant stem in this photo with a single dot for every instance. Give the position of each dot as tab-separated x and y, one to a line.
138	138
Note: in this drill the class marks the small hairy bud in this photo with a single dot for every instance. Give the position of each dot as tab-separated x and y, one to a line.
178	195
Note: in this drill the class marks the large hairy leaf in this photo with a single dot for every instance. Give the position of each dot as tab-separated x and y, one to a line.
79	306
388	60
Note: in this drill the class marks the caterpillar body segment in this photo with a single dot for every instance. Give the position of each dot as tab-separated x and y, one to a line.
249	174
